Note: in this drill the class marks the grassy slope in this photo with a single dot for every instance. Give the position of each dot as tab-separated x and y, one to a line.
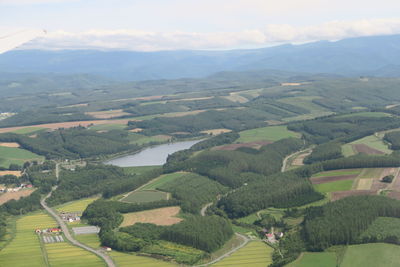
145	196
271	133
163	179
338	173
334	186
76	206
14	155
376	255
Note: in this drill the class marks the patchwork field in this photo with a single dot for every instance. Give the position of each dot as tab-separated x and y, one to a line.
255	254
64	255
317	259
131	260
377	255
372	145
75	206
163	179
25	247
4	197
162	216
270	133
14	155
145	196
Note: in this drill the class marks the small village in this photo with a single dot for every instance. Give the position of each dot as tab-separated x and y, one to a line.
50	235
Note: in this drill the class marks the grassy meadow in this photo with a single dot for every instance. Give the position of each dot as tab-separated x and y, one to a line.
338	173
75	206
145	196
15	155
343	185
132	260
270	133
163	179
376	255
315	259
374	142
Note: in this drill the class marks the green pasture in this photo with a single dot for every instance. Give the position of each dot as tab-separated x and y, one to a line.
75	206
315	259
338	173
270	133
139	169
28	130
374	255
304	102
163	179
132	260
145	196
343	185
107	127
255	254
371	173
15	155
365	114
347	150
373	142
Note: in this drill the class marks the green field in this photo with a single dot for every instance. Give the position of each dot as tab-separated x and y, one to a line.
25	247
374	142
304	102
92	240
338	173
107	127
145	196
163	179
28	130
343	185
139	139
365	114
315	259
254	254
131	260
15	155
270	133
347	150
75	206
374	255
66	255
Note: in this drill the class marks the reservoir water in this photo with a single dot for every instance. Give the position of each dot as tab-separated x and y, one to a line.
156	155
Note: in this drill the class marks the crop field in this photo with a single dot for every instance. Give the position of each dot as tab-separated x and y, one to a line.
304	102
255	145
145	196
255	254
377	255
92	240
375	143
132	260
9	144
338	173
108	114
271	133
216	131
371	173
342	194
366	114
14	155
334	186
4	197
315	259
26	130
64	255
25	247
162	216
235	97
76	206
107	127
16	173
163	179
141	139
364	184
348	150
139	170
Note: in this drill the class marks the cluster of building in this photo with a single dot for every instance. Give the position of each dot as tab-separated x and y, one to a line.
70	216
272	237
55	230
4	189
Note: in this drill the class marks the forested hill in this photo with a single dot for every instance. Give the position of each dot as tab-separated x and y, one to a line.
377	55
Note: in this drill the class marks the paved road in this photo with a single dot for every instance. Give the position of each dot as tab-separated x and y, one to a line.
67	234
245	241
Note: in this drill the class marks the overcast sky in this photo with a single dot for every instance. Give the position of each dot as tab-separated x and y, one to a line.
149	25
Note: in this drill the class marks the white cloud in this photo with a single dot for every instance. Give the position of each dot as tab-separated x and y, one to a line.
269	35
33	2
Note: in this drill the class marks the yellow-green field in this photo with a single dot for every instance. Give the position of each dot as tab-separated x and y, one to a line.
254	254
76	206
163	179
66	255
376	255
92	240
15	155
131	260
374	142
271	133
315	259
25	247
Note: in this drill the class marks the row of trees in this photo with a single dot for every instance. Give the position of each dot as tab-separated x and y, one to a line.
394	139
327	151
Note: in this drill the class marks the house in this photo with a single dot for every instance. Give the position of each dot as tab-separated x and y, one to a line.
38	231
107	248
55	230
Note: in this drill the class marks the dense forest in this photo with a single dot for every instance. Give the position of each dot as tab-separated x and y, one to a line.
394	139
73	143
324	152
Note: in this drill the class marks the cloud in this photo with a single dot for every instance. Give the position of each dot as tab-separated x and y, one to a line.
269	35
32	2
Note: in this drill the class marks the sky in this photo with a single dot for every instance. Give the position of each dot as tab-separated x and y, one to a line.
152	25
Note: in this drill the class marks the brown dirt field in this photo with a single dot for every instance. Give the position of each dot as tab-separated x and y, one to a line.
16	173
136	130
255	145
342	194
109	114
9	144
69	124
394	194
15	195
378	185
362	148
216	131
364	184
162	216
328	179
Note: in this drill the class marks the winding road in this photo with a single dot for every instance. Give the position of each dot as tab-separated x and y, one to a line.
65	229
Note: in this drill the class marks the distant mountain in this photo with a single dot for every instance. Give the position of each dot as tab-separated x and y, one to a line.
378	56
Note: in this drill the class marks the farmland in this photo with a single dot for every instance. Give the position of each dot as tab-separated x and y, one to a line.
14	155
315	259
334	186
16	173
145	196
162	216
76	206
271	133
373	142
132	260
92	240
25	247
4	197
163	179
377	255
255	253
64	254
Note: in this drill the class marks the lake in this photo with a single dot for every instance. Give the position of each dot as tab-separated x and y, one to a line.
156	155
